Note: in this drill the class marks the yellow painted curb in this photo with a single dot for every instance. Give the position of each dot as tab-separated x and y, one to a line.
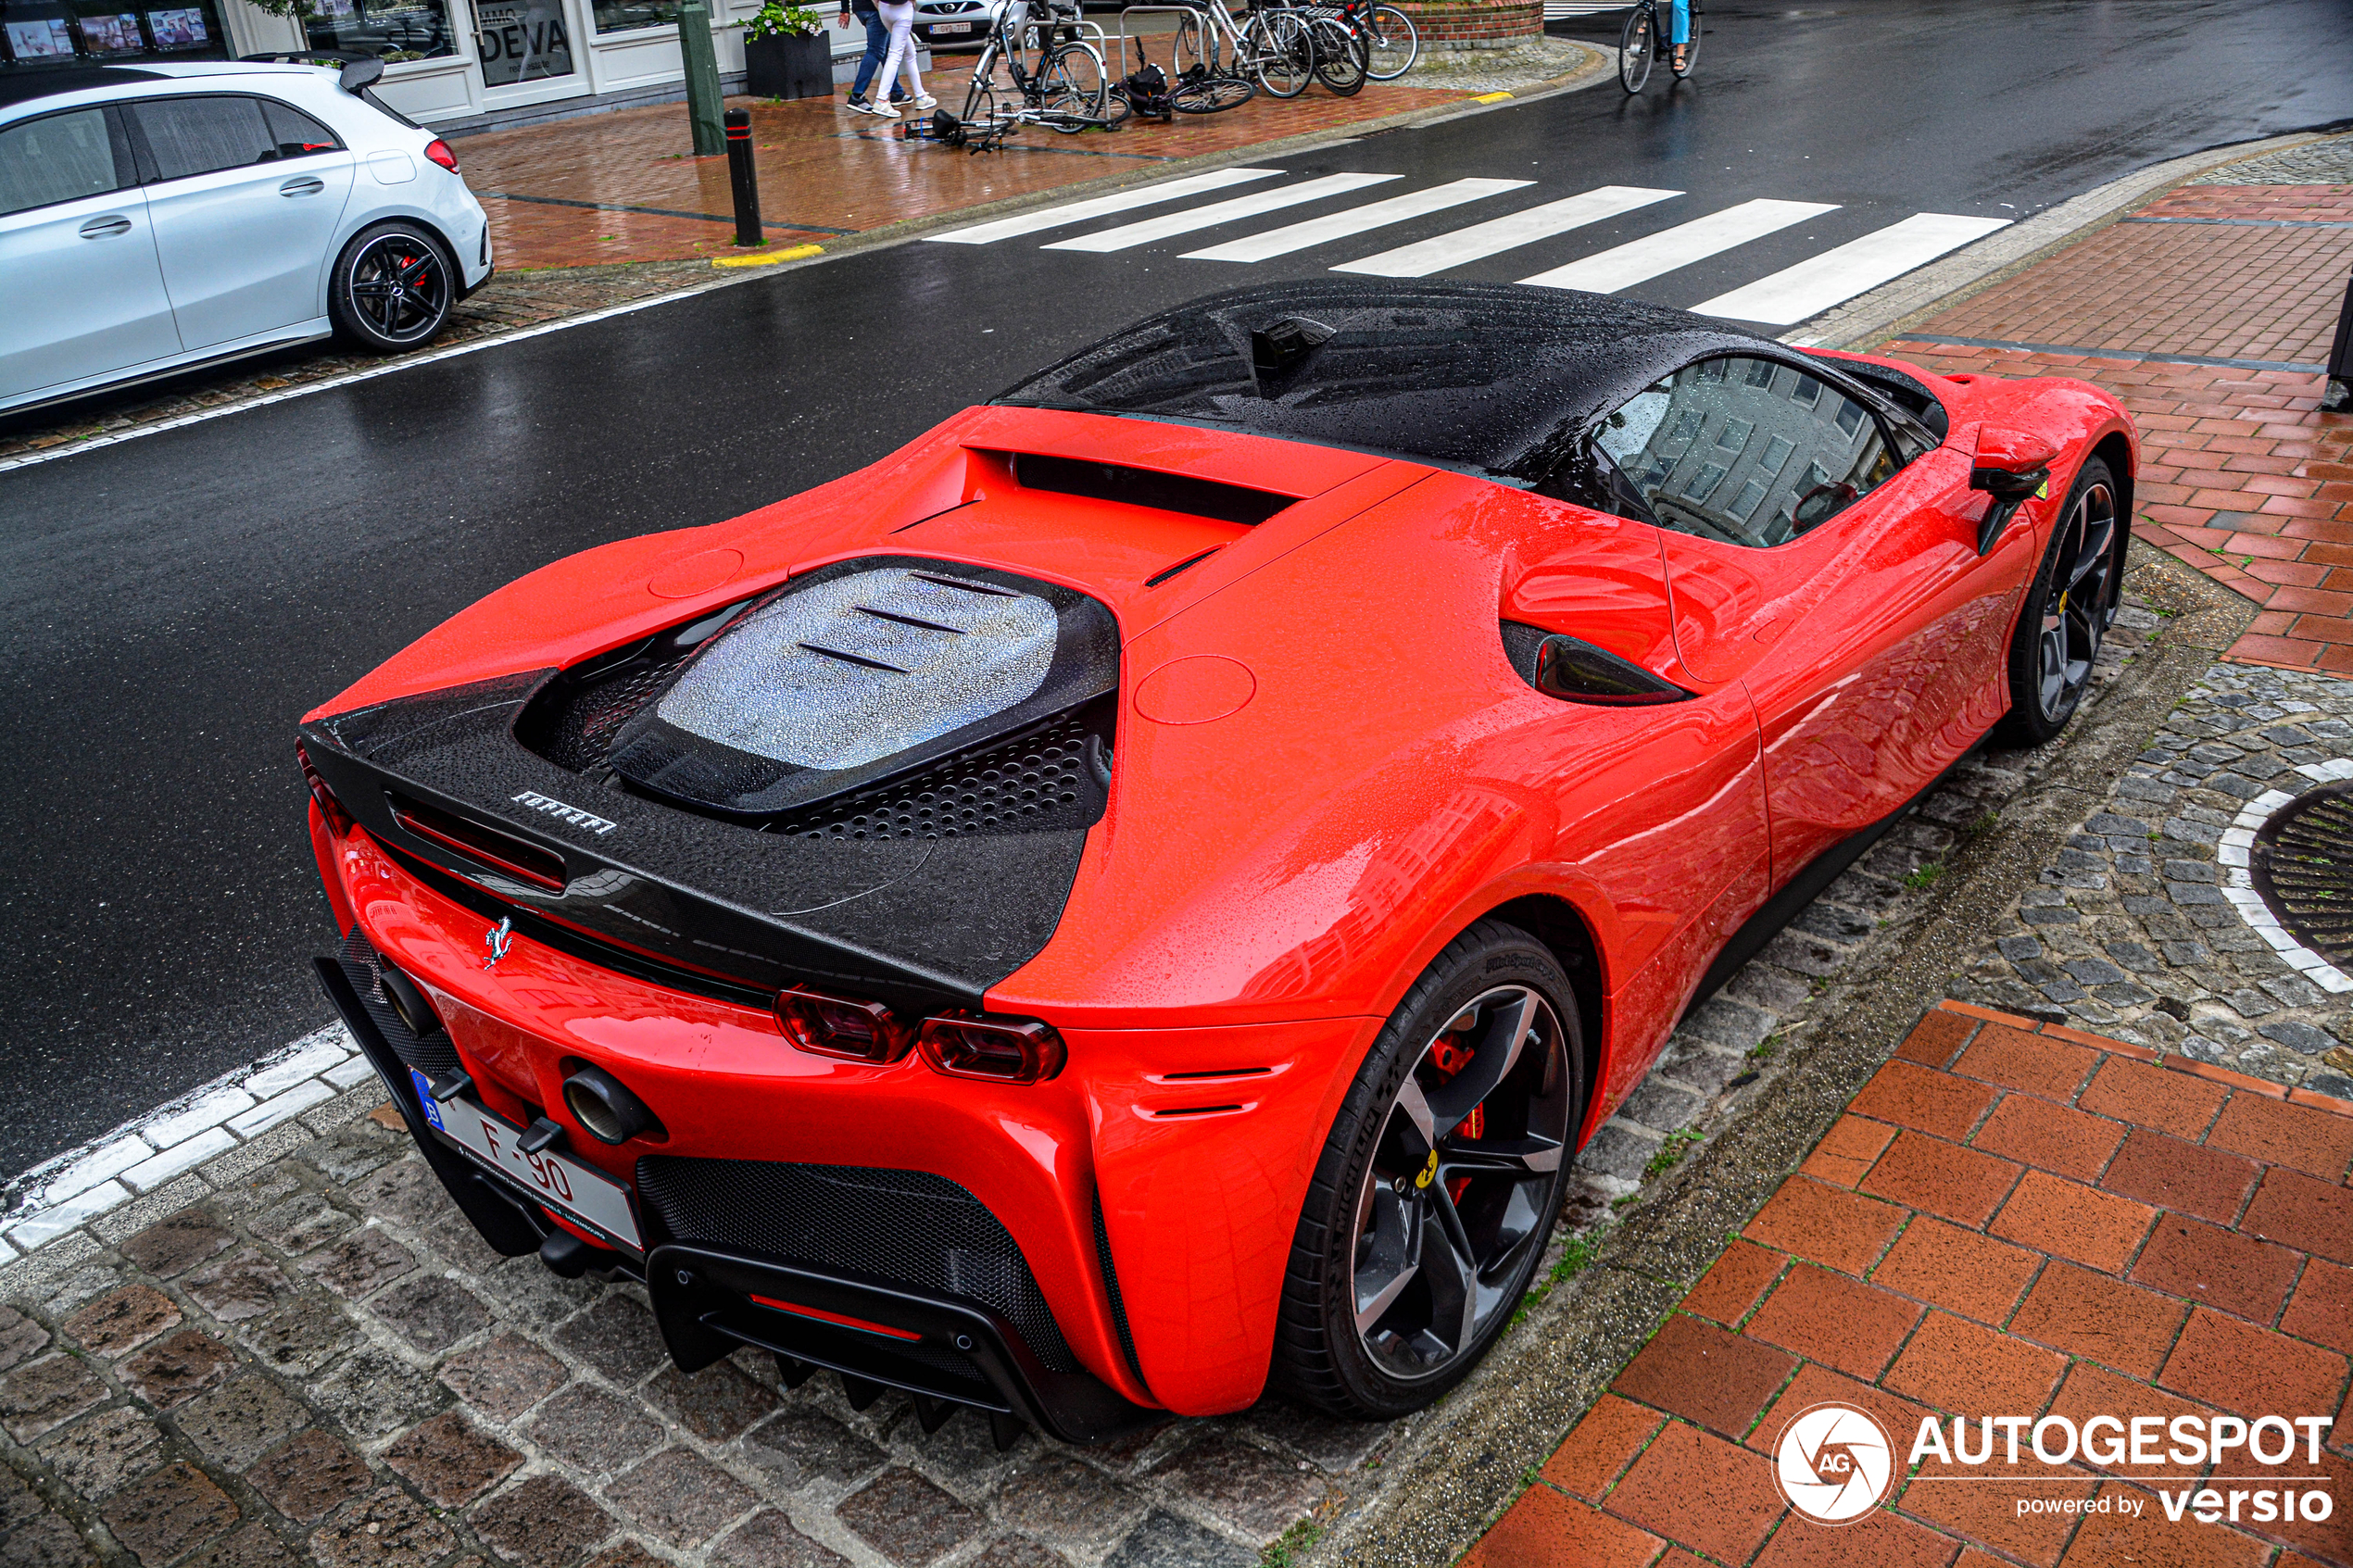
765	258
1490	97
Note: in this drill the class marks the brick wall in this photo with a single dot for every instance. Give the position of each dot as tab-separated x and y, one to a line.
1474	24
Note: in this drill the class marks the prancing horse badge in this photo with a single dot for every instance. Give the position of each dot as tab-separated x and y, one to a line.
498	940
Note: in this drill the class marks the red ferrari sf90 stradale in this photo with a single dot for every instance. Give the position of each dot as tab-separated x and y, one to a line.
1136	896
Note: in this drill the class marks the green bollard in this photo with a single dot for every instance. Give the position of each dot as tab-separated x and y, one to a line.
703	106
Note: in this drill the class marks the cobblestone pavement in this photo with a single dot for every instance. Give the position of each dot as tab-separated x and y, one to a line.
2131	933
2007	1222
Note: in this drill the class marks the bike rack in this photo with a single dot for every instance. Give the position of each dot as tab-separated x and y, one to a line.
1124	69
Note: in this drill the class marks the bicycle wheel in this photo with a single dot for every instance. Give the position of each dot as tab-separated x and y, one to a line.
977	95
1212	94
1691	49
1116	108
1635	47
1340	54
1281	52
1395	45
1194	43
1073	85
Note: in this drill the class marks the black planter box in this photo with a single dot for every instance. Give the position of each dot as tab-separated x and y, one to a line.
799	66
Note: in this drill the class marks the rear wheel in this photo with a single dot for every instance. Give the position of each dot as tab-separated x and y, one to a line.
1340	56
1282	51
2067	611
1074	85
1440	1184
392	288
1635	47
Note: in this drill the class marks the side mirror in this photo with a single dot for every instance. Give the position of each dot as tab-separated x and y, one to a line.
2014	467
360	75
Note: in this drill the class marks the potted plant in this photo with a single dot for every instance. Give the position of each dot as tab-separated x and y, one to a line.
785	54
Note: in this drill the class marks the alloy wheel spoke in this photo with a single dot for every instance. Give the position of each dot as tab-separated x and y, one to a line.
1451	1269
1387	1260
1520	1158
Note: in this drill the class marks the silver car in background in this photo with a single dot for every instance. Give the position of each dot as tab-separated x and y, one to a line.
158	216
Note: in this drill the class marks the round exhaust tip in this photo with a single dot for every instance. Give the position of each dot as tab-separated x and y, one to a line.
603	1104
409	1003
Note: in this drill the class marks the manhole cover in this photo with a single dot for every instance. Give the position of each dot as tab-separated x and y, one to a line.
2302	863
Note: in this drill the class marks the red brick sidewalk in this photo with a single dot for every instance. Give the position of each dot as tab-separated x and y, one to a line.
2011	1219
625	187
2244	477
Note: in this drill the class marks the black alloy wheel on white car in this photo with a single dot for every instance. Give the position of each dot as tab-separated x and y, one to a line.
2068	610
1441	1183
393	288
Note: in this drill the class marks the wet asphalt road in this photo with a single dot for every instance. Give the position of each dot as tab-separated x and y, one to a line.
172	605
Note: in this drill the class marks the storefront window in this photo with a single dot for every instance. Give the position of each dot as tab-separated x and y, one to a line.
391	30
521	40
38	33
620	16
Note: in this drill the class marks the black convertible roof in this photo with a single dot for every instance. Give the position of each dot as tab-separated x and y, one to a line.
1494	377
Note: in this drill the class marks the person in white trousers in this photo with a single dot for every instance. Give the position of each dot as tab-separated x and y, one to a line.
900	16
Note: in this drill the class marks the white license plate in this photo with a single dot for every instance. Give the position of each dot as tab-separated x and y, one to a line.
951	27
590	1197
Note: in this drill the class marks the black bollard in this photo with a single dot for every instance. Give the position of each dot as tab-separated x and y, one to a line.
745	179
2336	391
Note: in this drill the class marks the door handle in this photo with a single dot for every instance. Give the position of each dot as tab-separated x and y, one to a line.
106	228
305	185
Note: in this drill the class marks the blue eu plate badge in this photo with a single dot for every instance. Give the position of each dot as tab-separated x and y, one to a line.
425	1099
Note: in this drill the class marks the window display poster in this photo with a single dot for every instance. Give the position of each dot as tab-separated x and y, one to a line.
180	29
117	34
521	40
46	38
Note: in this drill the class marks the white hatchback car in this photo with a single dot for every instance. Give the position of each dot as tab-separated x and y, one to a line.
153	217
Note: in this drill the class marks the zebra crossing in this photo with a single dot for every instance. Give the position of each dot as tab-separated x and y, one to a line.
1783	298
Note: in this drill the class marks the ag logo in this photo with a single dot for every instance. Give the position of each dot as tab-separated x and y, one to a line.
1833	1463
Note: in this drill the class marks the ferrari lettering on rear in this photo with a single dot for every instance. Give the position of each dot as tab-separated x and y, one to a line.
572	814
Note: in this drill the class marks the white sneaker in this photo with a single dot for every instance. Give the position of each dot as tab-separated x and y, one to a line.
927	102
885	111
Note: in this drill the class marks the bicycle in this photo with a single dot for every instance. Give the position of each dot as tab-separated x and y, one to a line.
1639	45
1069	92
1275	50
1394	41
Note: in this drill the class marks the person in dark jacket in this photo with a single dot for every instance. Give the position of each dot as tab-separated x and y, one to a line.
877	41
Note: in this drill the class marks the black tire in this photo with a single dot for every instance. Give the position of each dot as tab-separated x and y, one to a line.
1212	94
1395	44
1486	1195
1343	56
1637	48
2068	610
392	288
1280	48
1691	49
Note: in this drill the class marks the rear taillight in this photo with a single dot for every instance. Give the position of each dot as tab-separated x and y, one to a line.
842	1026
438	152
338	819
1010	1050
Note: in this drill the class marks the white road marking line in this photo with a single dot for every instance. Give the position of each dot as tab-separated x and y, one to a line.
1355	220
1641	260
1508	233
1098	207
1129	235
1838	275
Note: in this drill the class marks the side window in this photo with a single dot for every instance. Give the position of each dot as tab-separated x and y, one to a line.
1745	450
60	158
295	133
199	135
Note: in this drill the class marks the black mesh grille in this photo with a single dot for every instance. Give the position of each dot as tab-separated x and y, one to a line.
901	1226
1031	785
1111	1284
363	966
574	727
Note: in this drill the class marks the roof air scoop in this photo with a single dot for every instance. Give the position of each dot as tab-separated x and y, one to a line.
859	671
